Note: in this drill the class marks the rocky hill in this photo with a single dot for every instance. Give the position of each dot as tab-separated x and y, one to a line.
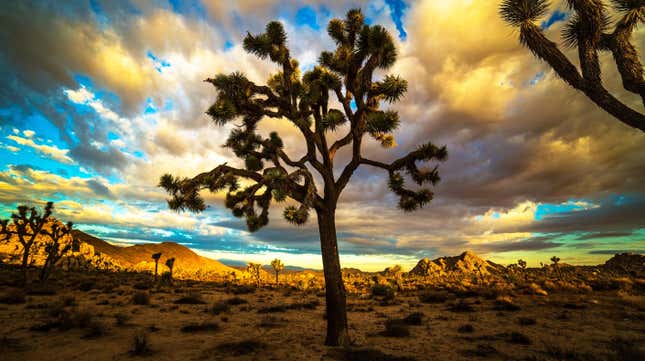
139	257
627	263
467	262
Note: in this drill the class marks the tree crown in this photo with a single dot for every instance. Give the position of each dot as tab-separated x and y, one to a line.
304	100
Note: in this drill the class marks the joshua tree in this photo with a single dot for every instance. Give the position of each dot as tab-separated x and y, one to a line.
156	257
590	30
556	266
27	224
522	264
304	101
254	270
170	263
277	267
53	247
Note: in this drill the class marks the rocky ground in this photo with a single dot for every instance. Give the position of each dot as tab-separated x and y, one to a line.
124	316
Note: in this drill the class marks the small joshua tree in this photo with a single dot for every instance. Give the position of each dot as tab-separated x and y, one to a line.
27	225
254	270
278	266
590	30
556	266
170	263
305	101
522	264
156	257
478	267
53	247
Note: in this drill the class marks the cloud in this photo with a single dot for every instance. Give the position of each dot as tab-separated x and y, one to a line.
518	138
50	151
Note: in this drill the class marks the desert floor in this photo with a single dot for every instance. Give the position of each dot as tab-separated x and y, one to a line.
95	317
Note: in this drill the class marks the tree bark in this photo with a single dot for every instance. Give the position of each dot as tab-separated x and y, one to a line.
337	334
25	263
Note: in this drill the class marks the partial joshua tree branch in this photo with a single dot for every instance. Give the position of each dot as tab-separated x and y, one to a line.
586	30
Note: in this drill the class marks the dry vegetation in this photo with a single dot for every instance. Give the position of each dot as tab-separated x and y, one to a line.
574	313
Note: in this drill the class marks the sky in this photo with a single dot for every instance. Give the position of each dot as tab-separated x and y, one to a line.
98	99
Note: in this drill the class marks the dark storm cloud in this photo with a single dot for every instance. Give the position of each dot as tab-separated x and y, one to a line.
609	216
24	168
104	161
99	188
604	235
533	244
616	251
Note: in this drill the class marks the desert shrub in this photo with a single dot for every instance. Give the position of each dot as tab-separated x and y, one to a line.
141	298
241	348
241	290
556	352
574	306
526	321
140	344
434	297
200	327
234	301
518	338
272	322
192	298
94	329
68	301
385	291
396	328
42	290
219	307
414	319
481	350
461	306
13	297
273	309
142	286
121	319
86	286
467	328
83	318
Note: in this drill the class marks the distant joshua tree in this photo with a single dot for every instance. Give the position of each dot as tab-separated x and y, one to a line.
556	265
278	266
254	270
304	101
27	225
53	247
522	264
156	257
170	263
591	31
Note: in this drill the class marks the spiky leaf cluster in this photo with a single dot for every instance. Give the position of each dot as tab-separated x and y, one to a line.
410	200
590	29
519	12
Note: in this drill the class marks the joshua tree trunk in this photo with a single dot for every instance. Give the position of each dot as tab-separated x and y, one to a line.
25	265
156	268
334	287
276	277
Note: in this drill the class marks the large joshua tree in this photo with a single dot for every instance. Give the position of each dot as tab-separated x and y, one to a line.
590	30
305	101
28	223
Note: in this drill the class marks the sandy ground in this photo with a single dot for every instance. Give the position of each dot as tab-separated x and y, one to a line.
100	322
